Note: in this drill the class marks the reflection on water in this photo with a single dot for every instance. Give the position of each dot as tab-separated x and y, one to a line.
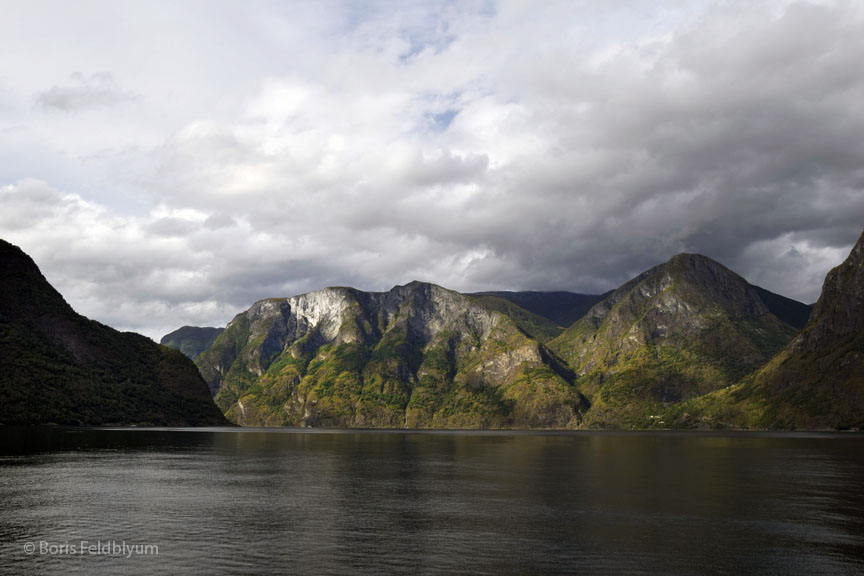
280	502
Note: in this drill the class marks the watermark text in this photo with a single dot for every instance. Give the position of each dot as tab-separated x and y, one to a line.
119	548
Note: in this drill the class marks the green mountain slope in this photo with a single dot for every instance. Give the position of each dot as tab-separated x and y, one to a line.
59	367
678	331
817	381
191	340
416	356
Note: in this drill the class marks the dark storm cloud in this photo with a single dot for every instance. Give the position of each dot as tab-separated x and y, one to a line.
722	138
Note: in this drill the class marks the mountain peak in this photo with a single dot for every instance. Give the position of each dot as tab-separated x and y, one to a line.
676	331
15	263
416	285
10	251
24	291
690	258
698	263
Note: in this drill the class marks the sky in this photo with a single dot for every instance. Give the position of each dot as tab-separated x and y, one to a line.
168	163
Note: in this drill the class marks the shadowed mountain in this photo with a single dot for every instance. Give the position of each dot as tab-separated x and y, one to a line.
677	331
562	308
817	381
59	367
191	340
532	324
790	311
416	356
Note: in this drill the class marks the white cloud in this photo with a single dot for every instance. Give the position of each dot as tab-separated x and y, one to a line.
272	149
93	91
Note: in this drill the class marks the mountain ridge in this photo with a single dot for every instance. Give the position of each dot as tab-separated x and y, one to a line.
686	343
722	329
62	368
417	355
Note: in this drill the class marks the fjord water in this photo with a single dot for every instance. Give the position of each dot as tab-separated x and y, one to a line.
308	502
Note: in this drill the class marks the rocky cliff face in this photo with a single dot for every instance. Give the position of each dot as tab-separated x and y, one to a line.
59	367
677	331
838	316
817	381
416	356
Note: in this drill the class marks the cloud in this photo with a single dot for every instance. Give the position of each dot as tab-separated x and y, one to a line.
480	146
27	204
94	91
217	221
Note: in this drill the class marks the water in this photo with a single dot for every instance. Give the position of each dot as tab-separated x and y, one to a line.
228	501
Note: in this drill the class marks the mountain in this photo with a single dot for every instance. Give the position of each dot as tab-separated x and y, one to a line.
790	311
562	308
817	381
677	331
538	327
191	340
59	367
417	356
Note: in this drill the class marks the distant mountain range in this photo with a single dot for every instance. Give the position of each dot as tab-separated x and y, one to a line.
191	340
565	308
686	344
562	308
59	367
